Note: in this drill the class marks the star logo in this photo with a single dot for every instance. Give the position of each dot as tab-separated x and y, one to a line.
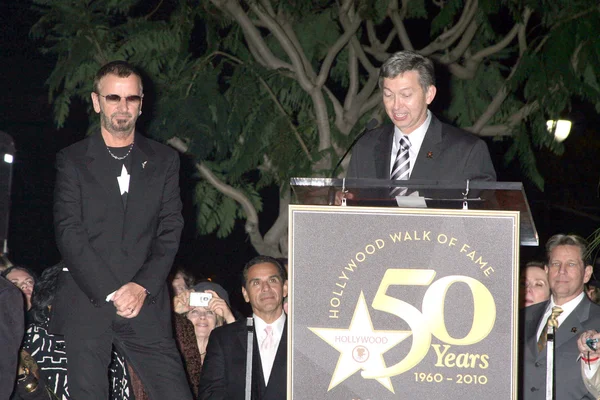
360	346
123	180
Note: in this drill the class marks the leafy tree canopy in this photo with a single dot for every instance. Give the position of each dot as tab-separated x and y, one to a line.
259	91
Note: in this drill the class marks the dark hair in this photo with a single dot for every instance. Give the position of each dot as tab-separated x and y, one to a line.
261	260
568	240
404	61
44	292
18	268
188	278
122	69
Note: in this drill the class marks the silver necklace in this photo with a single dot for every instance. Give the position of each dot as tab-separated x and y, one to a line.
120	158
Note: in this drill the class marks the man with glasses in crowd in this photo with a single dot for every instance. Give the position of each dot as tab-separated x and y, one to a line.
117	217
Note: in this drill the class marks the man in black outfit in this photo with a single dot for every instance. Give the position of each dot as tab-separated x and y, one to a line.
117	218
434	150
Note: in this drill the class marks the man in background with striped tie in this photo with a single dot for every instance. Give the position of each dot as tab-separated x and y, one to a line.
418	146
570	312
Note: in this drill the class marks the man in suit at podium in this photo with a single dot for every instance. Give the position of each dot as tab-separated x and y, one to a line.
224	370
418	145
571	311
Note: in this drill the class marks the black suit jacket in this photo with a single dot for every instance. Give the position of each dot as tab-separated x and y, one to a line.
446	154
105	244
569	383
224	369
12	329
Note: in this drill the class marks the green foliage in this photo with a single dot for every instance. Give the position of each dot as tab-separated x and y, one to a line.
417	9
255	127
447	16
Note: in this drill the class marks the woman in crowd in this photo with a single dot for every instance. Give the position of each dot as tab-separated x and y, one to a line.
205	319
193	326
181	281
22	278
534	284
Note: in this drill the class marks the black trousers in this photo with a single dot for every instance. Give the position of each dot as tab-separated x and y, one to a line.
156	361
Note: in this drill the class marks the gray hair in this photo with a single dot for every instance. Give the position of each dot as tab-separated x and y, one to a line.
404	61
568	240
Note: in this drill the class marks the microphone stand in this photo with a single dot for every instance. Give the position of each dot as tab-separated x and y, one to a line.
370	125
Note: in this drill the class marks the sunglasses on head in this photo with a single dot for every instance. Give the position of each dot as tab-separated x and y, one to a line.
115	98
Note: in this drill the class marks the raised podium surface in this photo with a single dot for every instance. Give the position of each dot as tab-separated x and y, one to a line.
490	196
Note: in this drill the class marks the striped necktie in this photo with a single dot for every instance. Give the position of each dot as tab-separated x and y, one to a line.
553	322
401	168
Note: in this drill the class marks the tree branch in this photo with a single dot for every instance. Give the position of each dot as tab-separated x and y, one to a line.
399	25
279	228
272	96
334	50
488	51
252	34
229	191
447	38
287	46
502	93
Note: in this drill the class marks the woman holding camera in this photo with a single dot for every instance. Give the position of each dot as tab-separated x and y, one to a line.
194	323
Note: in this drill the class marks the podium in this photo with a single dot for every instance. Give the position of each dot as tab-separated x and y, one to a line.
408	297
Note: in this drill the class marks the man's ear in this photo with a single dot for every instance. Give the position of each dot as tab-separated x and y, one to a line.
96	102
245	294
587	273
430	95
285	289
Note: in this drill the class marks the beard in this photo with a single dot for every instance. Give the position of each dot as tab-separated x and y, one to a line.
119	124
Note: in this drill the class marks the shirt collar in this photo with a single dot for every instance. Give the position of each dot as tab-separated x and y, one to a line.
278	324
568	307
416	137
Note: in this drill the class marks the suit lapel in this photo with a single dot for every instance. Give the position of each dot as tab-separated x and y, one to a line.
383	152
279	370
572	327
532	323
430	149
143	167
258	380
98	165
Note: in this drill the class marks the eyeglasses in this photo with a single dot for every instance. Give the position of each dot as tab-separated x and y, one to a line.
116	99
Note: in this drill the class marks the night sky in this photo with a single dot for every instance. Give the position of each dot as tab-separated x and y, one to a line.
570	202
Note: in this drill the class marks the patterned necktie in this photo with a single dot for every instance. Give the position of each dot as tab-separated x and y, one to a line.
267	353
401	168
556	311
269	341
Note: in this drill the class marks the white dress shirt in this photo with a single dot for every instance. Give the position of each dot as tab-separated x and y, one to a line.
567	308
416	138
268	357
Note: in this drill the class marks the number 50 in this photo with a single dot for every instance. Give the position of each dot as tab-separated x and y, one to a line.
431	319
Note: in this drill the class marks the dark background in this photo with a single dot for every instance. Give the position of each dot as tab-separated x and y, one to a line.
569	203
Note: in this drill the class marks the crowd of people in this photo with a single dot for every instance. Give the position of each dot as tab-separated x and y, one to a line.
43	357
105	324
211	338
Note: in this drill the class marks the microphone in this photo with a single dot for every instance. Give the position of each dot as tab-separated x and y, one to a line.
370	125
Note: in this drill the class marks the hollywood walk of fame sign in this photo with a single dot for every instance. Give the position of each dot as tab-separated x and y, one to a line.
402	303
